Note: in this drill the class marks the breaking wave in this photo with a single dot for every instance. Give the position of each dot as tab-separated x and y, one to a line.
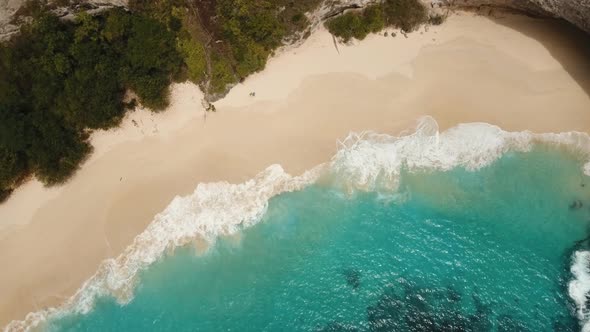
365	161
371	161
579	286
212	210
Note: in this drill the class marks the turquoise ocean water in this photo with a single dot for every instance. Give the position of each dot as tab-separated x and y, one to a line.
472	229
452	250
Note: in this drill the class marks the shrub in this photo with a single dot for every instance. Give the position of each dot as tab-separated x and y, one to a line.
347	26
222	74
193	53
12	166
405	14
357	24
292	14
402	14
436	19
58	79
253	31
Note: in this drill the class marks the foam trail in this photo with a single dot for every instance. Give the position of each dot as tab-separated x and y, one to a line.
372	161
366	161
579	287
211	210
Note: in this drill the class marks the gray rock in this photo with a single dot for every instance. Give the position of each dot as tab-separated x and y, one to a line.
8	9
574	11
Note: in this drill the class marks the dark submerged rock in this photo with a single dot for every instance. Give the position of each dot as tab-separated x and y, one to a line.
353	278
407	307
577	204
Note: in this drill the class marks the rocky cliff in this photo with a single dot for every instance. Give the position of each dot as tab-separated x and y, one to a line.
575	11
10	10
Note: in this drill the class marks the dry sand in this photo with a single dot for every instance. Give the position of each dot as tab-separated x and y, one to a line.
516	72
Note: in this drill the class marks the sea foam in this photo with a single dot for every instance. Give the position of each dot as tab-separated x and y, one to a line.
579	287
212	210
365	161
371	160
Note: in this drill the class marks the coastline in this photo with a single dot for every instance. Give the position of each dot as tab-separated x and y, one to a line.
306	99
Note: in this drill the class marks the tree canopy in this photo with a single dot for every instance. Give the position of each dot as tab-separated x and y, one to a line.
61	79
58	79
402	14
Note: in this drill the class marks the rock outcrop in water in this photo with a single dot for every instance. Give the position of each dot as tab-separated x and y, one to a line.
353	278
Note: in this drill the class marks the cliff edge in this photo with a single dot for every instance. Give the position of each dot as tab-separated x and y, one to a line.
576	12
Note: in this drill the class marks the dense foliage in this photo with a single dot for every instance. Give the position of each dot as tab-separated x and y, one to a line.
223	41
402	14
357	24
252	37
58	79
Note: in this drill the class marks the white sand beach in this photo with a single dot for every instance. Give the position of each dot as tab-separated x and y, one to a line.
516	72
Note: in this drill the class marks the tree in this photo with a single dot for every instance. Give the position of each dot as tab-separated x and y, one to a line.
58	79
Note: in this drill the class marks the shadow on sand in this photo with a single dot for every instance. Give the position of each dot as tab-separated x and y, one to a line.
569	45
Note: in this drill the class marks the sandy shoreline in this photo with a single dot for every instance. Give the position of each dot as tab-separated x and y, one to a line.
515	72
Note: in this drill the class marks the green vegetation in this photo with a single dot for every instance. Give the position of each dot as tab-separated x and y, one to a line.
252	29
405	14
193	53
222	74
357	24
58	79
437	19
224	41
402	14
61	79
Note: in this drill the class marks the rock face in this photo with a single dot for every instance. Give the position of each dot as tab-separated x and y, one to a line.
7	10
9	24
574	11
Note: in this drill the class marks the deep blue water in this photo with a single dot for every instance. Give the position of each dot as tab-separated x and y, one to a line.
485	250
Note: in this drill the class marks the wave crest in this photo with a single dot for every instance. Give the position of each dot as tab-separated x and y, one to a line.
372	161
212	210
579	286
366	161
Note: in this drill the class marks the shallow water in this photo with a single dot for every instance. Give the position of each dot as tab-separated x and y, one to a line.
485	250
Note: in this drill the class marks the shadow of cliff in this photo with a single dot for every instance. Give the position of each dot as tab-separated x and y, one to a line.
569	45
